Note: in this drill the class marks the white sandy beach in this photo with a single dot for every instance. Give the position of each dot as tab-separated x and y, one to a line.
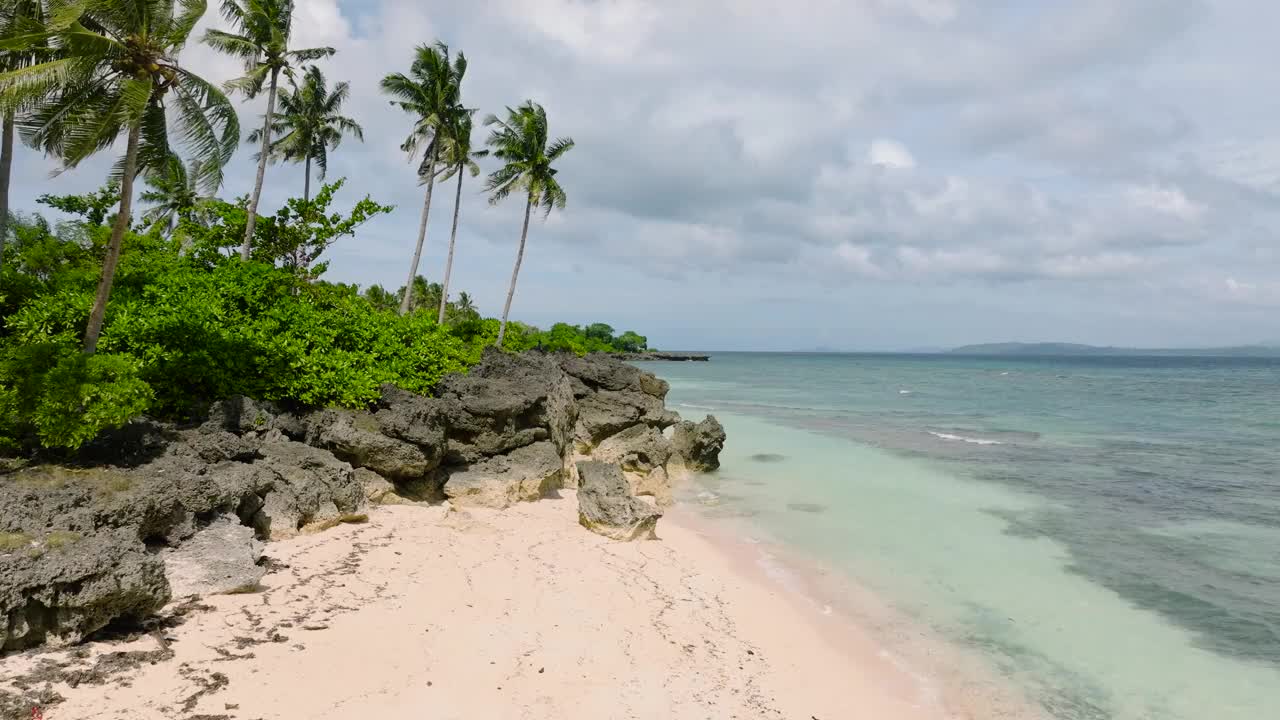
511	614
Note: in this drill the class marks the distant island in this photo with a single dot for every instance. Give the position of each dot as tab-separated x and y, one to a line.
1017	348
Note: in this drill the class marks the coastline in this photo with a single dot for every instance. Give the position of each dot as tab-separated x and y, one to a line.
944	678
552	623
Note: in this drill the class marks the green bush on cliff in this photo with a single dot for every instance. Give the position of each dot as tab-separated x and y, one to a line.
189	323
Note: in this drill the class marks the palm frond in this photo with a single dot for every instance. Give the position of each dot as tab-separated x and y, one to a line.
153	148
311	54
126	102
209	126
190	13
230	44
520	142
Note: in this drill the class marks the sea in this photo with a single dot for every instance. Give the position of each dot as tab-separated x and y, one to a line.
1102	532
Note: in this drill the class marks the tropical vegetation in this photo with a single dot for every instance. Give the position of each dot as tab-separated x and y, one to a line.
107	313
261	41
309	124
431	93
520	142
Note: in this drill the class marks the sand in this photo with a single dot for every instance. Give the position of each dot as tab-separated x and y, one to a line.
422	613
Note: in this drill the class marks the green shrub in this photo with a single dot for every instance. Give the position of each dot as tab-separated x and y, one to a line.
64	398
188	322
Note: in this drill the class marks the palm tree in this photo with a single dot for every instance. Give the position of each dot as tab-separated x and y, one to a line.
464	307
310	124
116	72
174	194
262	42
430	91
458	158
19	21
520	142
424	294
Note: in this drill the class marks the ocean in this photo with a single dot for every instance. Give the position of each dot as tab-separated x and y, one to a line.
1103	532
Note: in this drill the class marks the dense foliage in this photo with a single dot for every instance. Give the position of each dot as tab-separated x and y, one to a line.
169	317
189	322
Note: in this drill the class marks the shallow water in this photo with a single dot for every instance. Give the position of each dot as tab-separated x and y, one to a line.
1105	532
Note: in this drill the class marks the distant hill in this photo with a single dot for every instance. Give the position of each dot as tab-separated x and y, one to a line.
1015	348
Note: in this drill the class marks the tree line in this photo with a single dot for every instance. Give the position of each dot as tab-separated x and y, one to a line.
211	297
76	76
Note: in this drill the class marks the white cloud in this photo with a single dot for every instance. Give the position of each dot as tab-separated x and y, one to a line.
914	142
890	154
1167	200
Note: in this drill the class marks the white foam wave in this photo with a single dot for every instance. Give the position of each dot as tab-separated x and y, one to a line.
961	438
906	392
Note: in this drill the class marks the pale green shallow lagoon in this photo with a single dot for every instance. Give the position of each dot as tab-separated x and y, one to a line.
1054	518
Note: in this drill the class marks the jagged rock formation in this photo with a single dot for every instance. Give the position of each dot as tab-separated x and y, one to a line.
160	511
606	505
699	444
220	559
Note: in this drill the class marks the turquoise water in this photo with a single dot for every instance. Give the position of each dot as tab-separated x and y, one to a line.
1105	532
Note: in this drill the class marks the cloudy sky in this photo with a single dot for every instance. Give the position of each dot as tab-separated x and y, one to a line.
849	174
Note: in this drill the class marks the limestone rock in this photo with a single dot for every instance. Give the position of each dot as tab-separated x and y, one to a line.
699	445
602	372
655	484
377	489
412	418
64	586
358	439
524	474
607	507
608	412
506	402
309	485
651	384
219	559
239	414
639	448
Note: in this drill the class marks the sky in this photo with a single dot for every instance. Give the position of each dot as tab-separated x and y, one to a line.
837	174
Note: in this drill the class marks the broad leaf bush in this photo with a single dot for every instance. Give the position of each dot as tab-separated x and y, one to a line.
190	323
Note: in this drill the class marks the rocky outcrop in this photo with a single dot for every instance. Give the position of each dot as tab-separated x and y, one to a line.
219	559
655	484
524	474
60	586
309	486
359	439
699	445
639	448
613	396
658	355
81	547
506	402
642	452
607	507
157	511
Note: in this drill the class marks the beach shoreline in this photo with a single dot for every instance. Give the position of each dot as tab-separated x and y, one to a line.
945	678
485	613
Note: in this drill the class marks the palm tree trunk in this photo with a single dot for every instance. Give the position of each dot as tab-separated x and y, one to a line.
262	167
109	263
511	291
6	168
422	236
453	238
299	260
